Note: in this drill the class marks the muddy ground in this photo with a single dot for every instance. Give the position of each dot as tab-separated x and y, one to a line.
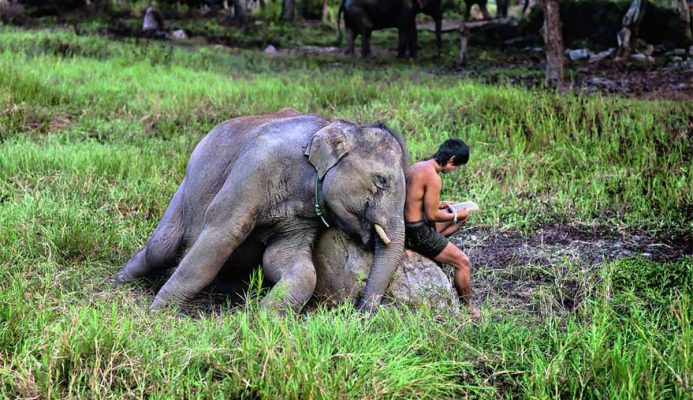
554	268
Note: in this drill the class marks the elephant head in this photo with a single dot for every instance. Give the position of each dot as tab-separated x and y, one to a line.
363	187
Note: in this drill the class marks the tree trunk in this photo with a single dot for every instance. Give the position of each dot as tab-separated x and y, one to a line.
239	11
288	10
686	19
631	24
323	16
553	38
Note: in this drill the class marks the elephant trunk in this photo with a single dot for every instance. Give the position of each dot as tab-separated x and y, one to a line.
386	261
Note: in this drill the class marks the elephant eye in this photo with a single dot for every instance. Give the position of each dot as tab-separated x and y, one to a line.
381	182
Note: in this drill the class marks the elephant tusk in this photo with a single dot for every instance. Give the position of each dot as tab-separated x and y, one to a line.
381	233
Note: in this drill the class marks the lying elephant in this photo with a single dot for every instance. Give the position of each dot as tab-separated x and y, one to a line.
263	188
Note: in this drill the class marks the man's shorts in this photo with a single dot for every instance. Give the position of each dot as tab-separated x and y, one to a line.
423	238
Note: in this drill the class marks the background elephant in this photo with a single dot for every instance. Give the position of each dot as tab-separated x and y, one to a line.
255	188
362	17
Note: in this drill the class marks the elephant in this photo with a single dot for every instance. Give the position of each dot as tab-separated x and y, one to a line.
362	17
261	189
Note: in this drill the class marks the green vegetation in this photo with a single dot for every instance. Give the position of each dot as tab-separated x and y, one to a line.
94	138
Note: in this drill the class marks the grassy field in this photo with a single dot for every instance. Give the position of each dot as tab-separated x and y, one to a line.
94	139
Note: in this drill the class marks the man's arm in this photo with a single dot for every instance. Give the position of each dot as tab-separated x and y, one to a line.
432	202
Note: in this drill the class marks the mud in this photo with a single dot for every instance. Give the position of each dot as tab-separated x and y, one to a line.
555	267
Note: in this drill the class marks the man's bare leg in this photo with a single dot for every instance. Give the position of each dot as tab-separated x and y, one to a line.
463	280
447	228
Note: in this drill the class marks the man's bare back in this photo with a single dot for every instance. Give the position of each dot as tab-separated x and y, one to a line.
419	177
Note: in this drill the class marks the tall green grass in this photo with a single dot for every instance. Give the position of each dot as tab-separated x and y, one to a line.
537	156
94	138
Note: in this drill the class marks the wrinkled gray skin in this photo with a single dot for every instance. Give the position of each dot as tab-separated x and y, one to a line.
248	194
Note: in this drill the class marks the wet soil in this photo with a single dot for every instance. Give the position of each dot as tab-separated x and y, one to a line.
555	267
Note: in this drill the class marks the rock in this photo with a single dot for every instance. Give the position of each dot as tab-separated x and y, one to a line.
641	59
675	53
343	265
690	51
270	49
643	47
676	59
179	34
602	55
533	49
578	54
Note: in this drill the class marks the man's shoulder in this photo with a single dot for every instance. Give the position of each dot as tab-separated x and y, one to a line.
424	172
421	167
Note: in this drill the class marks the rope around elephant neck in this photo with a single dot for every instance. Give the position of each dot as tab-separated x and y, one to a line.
318	210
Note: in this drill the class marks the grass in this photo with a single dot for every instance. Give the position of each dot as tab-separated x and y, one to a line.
94	138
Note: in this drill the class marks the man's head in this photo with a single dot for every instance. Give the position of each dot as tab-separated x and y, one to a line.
451	154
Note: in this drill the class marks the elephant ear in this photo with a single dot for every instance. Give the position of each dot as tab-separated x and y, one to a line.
328	146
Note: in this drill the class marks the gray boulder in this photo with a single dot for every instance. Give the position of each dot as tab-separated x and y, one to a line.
343	265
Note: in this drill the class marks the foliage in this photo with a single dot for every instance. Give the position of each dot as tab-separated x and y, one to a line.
94	138
651	283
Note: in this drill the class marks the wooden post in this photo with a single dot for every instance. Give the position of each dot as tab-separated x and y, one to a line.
464	39
553	38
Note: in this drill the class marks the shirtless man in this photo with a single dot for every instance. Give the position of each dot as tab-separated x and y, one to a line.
428	220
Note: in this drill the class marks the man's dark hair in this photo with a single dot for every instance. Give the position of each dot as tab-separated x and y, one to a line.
450	148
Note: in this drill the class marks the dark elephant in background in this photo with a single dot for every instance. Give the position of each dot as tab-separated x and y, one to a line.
261	189
362	17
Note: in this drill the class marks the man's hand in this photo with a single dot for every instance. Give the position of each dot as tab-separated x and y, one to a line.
443	204
462	216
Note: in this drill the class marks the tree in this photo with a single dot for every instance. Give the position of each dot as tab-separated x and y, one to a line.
631	24
288	10
553	38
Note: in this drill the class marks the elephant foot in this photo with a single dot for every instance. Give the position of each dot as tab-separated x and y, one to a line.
122	277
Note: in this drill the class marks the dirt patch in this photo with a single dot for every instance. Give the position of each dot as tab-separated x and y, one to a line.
555	267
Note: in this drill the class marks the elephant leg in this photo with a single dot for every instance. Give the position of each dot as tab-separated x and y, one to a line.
484	10
413	40
288	262
366	43
402	46
224	230
351	37
502	10
162	249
